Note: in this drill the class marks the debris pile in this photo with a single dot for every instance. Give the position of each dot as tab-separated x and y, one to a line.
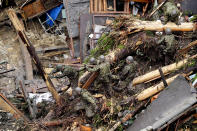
130	65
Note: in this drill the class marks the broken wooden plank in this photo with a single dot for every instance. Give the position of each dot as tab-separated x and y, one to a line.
7	106
166	70
32	52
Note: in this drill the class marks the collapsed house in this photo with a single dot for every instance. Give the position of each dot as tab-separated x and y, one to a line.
98	65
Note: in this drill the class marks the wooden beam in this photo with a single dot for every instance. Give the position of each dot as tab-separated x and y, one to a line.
32	52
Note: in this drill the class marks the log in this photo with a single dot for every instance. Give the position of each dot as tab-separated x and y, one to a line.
137	24
155	74
154	89
83	78
117	54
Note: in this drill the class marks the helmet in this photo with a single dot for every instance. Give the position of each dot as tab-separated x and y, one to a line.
78	90
59	67
129	59
92	61
102	58
168	31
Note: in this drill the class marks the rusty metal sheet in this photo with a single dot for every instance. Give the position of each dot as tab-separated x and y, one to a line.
174	100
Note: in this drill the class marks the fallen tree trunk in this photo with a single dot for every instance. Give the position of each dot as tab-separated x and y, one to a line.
153	89
156	74
157	26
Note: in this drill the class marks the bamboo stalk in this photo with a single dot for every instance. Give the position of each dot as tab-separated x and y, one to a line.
154	89
155	74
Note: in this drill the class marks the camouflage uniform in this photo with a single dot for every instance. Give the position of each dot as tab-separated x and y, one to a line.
171	12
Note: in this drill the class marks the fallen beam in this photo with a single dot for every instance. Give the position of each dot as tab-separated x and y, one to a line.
32	52
155	74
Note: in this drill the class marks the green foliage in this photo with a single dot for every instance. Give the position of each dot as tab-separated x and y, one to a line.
121	46
150	33
192	63
97	120
120	128
104	45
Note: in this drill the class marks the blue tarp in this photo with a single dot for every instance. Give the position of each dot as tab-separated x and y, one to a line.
54	14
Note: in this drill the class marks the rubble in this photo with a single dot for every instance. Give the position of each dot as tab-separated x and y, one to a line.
98	65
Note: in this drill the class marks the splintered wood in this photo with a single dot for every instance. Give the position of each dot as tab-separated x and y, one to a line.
17	24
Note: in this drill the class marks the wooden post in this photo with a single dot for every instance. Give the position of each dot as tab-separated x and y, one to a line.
114	5
105	5
95	6
91	6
